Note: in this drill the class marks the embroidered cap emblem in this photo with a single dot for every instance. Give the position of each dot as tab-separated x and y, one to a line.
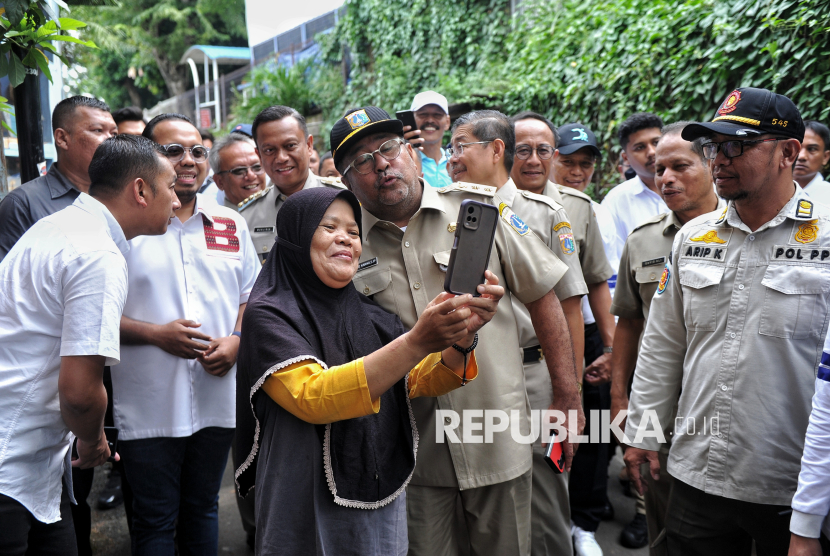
580	135
807	232
358	119
730	103
664	280
567	243
709	237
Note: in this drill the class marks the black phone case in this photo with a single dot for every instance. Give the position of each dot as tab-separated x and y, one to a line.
407	117
471	248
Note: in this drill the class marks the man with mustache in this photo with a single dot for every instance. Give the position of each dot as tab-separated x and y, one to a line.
284	146
633	202
739	321
685	182
432	115
174	392
408	235
814	156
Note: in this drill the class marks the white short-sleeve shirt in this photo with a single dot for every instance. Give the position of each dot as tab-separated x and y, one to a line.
818	189
608	231
202	270
64	285
631	203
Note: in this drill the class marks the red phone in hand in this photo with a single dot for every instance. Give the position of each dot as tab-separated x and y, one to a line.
555	456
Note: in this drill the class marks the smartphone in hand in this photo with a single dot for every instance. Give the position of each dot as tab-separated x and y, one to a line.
408	118
474	234
555	456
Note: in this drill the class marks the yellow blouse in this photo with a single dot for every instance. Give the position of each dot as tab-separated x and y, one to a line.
318	396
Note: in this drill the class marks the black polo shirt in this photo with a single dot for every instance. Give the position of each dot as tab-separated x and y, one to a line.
30	202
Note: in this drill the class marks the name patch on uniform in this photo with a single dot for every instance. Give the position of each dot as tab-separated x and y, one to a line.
654	262
790	253
807	232
513	221
367	264
700	252
664	280
561	225
264	229
567	243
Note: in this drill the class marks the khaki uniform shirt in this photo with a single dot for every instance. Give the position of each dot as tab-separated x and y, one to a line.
404	270
549	222
589	245
260	211
738	322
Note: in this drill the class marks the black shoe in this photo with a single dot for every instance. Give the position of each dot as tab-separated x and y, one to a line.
607	513
111	496
635	534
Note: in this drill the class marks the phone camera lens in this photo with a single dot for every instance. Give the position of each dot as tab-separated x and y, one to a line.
470	210
474	218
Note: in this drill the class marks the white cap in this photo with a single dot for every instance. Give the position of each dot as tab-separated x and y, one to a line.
430	97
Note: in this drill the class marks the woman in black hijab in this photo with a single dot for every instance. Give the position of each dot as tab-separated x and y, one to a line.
332	443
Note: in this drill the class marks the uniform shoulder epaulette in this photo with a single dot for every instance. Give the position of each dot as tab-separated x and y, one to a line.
332	182
484	190
248	201
565	190
541	198
659	218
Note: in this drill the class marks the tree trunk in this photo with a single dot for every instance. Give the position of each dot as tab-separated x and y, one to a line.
132	90
174	75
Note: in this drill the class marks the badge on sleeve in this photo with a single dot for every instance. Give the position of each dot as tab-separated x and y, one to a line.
567	243
664	280
513	221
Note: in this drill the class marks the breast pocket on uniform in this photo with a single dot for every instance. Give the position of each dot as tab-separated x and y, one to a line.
700	283
795	303
648	274
442	259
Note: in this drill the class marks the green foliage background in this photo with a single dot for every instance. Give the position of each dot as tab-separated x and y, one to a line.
592	61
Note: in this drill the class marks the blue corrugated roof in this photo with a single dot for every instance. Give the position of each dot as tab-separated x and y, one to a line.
223	54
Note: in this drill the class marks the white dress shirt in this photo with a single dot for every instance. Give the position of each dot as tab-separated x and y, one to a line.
631	203
201	270
811	502
608	231
64	287
818	189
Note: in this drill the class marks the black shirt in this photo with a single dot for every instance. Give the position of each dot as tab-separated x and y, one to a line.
30	202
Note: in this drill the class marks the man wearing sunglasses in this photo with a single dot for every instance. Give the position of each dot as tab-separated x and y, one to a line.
174	392
237	170
738	321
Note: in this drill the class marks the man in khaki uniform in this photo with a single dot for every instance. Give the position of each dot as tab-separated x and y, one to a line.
536	142
408	234
739	320
685	182
284	147
237	170
550	516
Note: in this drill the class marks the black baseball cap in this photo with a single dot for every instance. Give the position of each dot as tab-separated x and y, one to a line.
573	137
357	124
244	129
749	112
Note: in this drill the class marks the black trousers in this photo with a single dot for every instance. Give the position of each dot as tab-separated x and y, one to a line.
707	525
21	533
588	484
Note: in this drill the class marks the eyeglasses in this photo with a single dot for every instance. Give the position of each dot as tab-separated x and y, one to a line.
459	149
242	171
364	163
523	152
175	152
730	149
